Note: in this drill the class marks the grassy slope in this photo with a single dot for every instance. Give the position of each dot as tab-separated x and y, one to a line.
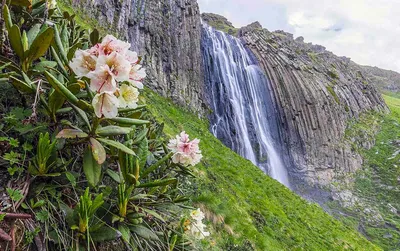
377	185
261	212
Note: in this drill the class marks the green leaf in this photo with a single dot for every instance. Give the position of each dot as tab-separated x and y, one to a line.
21	85
97	203
125	232
117	145
56	99
60	45
33	32
64	37
7	17
112	131
158	183
71	178
40	45
153	213
44	66
72	50
25	45
144	232
142	152
61	88
58	60
140	136
91	168
23	3
114	175
105	233
121	110
71	134
98	151
153	167
128	121
42	216
94	37
83	116
15	195
16	41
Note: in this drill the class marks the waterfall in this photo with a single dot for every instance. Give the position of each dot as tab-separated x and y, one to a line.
244	114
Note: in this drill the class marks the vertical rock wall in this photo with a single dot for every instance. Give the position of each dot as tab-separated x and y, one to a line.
317	94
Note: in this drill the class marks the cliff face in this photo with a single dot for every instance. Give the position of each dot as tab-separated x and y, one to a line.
317	94
167	34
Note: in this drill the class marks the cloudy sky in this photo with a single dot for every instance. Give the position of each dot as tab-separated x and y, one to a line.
367	31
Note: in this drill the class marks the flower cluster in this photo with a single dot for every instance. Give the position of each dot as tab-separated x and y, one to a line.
196	225
114	72
186	152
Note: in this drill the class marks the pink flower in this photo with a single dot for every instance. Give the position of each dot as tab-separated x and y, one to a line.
83	63
118	65
136	76
105	104
185	152
111	44
102	79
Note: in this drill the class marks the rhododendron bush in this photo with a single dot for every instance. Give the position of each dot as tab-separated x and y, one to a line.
92	151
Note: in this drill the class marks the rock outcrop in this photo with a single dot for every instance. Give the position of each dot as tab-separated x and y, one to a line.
166	33
219	22
317	94
385	80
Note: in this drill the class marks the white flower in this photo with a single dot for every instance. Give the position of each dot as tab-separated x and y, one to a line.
136	75
128	96
105	104
118	65
102	79
83	63
51	4
197	227
111	44
198	231
132	57
197	215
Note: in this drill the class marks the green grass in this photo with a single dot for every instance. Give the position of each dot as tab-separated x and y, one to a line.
333	93
223	27
377	185
261	213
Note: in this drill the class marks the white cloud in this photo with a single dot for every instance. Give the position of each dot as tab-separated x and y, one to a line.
368	31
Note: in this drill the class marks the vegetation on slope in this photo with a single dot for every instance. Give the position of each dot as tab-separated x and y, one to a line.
220	23
375	201
249	210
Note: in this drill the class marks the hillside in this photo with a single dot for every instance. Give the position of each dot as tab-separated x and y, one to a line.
249	210
371	203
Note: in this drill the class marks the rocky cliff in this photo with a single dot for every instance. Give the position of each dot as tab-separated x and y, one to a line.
166	33
317	94
385	80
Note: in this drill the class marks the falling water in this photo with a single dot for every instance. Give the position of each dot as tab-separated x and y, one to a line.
244	114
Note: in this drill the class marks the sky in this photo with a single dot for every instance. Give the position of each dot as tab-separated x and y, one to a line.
367	31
